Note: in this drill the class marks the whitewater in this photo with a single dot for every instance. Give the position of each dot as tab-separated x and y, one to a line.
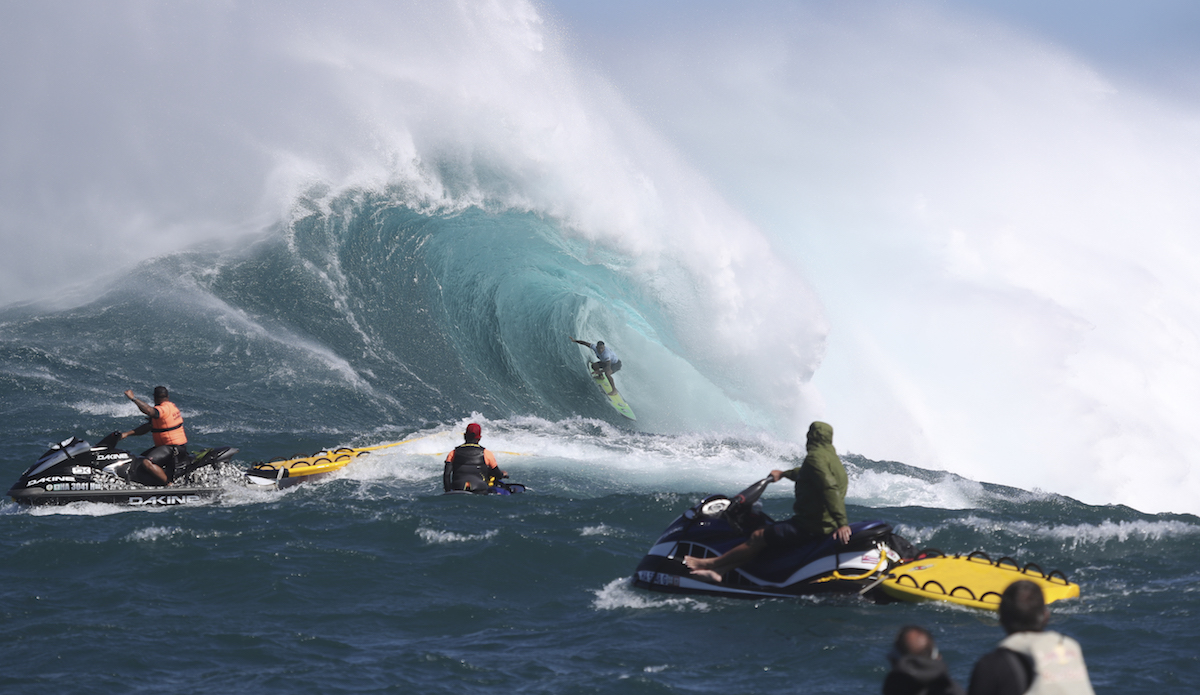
355	225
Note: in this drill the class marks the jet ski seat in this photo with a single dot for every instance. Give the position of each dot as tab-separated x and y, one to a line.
778	564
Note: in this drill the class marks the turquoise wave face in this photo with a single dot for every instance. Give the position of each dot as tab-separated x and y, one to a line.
364	315
436	316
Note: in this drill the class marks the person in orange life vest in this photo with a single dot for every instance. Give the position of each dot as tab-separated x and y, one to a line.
157	464
470	466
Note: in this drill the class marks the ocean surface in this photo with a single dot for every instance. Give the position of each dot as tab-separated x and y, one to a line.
364	223
375	323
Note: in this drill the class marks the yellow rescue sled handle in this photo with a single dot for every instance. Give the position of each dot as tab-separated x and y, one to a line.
838	575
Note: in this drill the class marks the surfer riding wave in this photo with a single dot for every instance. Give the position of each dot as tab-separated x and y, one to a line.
608	362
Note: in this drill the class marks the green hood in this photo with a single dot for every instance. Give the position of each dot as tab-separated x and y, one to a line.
819	434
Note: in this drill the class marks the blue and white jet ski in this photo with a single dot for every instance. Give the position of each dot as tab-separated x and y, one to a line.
719	523
76	471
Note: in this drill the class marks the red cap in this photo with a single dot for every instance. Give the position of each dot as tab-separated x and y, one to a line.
475	430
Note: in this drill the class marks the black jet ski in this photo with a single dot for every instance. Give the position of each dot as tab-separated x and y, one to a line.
499	487
495	486
718	524
470	482
76	471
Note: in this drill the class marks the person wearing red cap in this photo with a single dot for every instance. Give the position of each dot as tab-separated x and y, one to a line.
470	467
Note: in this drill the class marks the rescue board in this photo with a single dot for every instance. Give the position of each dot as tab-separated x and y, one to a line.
615	399
973	580
289	472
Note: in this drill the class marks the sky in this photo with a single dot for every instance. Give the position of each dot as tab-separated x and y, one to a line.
1151	44
1154	44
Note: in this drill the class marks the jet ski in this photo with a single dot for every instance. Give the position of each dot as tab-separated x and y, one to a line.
495	486
498	487
76	471
481	481
719	523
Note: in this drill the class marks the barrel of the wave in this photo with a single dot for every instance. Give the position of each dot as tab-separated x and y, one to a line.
973	580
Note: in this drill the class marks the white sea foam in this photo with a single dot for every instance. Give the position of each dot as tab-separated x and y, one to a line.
686	463
433	536
396	465
1086	535
876	489
84	509
153	533
116	407
41	373
598	530
236	494
682	463
619	594
1072	536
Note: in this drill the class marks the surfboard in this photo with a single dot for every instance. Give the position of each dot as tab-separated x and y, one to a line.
615	400
973	580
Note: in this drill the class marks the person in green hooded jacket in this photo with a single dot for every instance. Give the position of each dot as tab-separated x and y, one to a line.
820	508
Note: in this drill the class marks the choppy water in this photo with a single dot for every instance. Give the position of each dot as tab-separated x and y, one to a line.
373	581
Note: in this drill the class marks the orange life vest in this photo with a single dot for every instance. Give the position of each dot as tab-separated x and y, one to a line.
168	426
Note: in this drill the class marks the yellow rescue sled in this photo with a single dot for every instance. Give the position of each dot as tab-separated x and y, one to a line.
288	472
973	580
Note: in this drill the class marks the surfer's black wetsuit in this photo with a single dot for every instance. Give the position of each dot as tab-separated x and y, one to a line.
468	470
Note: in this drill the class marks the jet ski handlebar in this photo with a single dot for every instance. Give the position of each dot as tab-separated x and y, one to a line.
751	494
110	440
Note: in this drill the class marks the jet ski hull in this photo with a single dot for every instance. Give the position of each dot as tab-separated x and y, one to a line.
142	497
500	488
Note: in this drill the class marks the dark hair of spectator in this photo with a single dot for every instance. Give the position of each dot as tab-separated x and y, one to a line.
1023	607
